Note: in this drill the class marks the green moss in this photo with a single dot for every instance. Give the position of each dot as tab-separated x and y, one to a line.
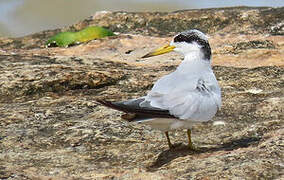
92	32
65	39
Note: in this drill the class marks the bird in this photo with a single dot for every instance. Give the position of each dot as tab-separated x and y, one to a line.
182	98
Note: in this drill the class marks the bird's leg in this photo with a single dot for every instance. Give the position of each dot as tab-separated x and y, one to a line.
168	139
190	145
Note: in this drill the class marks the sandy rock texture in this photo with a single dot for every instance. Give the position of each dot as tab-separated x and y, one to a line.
51	128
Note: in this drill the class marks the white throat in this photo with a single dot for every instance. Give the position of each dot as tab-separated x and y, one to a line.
194	55
194	62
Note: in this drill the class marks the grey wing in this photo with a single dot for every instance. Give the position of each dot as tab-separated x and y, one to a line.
137	111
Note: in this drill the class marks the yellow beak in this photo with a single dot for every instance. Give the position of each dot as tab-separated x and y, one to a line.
162	50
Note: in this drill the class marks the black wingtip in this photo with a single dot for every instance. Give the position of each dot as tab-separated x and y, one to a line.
104	103
110	104
134	113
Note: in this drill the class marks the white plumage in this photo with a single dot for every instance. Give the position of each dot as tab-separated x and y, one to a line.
188	95
191	93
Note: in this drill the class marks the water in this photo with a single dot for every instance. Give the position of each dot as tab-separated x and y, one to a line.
22	17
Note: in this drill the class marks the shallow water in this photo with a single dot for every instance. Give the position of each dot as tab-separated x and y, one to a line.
22	17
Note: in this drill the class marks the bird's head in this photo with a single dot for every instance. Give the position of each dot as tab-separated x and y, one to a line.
185	43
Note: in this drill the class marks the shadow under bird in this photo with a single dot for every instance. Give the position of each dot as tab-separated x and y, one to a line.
188	95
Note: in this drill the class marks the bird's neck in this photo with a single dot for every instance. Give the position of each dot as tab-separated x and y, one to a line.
194	62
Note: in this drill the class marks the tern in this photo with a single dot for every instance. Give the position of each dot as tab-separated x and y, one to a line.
187	96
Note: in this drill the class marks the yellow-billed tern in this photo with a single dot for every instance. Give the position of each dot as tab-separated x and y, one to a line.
188	95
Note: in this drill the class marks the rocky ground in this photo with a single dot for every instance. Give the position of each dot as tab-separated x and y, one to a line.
51	128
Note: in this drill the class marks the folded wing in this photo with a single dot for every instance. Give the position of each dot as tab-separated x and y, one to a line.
186	97
135	112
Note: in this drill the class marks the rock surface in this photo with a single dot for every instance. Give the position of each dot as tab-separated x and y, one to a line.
50	127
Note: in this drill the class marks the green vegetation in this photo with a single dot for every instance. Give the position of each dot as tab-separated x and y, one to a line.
65	39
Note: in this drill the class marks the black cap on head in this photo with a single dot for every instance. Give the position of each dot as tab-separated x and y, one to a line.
197	37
